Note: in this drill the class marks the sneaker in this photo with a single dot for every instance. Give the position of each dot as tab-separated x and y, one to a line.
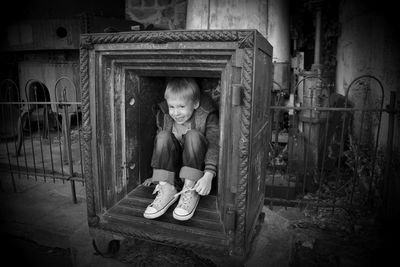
164	199
187	204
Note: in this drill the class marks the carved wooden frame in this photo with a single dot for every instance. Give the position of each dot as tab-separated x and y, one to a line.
245	40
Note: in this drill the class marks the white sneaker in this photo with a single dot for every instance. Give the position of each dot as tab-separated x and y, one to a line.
187	204
164	199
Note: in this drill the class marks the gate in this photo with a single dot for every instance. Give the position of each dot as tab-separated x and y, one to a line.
41	136
330	150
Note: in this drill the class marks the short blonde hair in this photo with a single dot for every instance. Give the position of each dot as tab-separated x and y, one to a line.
186	88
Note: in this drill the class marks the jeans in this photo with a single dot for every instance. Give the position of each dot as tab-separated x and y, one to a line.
169	156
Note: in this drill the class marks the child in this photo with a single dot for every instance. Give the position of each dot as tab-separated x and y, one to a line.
187	141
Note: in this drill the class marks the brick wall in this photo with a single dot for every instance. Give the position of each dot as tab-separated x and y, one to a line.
168	14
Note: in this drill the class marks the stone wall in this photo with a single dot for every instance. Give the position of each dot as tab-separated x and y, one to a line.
164	14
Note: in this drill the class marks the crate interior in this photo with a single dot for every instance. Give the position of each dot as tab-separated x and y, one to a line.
140	130
140	122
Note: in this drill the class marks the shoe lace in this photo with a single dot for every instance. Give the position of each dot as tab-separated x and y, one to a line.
184	191
187	195
158	198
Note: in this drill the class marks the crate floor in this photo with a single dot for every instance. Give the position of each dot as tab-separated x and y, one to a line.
205	227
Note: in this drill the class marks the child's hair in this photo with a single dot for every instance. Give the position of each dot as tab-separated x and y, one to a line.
186	88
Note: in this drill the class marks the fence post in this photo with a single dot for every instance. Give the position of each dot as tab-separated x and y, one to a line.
67	146
389	193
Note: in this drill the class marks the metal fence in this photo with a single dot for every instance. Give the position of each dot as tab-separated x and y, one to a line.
326	151
41	132
331	150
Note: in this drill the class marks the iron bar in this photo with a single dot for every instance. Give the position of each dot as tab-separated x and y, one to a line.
41	103
322	173
15	144
290	151
38	128
41	174
67	130
303	202
67	147
334	109
9	161
50	145
388	196
30	127
59	140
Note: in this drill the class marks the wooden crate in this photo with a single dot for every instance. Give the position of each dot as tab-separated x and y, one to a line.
122	75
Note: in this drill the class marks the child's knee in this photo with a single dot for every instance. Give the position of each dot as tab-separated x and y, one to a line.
195	141
163	137
193	136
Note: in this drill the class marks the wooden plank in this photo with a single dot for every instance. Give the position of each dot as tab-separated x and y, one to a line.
132	217
235	117
119	110
107	132
161	233
260	132
196	222
96	204
131	129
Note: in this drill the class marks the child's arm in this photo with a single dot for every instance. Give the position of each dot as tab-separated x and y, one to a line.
203	185
212	136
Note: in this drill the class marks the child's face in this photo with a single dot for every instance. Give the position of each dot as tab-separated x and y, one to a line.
181	109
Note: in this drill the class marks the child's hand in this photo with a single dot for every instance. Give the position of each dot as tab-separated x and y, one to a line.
147	182
203	185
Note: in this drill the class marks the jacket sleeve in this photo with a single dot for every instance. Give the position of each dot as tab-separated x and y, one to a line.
212	136
159	120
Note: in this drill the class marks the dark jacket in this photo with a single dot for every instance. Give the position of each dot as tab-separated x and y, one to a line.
205	120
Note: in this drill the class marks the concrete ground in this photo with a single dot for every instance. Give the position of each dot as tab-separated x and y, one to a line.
41	226
41	215
41	219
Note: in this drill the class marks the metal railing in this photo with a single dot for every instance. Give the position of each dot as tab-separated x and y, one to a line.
41	137
329	152
328	155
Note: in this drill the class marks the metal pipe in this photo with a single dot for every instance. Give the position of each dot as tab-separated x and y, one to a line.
317	49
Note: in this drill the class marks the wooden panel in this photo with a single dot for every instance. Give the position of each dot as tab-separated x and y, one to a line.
119	116
166	233
131	130
260	132
235	117
49	74
57	33
43	35
150	93
107	124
